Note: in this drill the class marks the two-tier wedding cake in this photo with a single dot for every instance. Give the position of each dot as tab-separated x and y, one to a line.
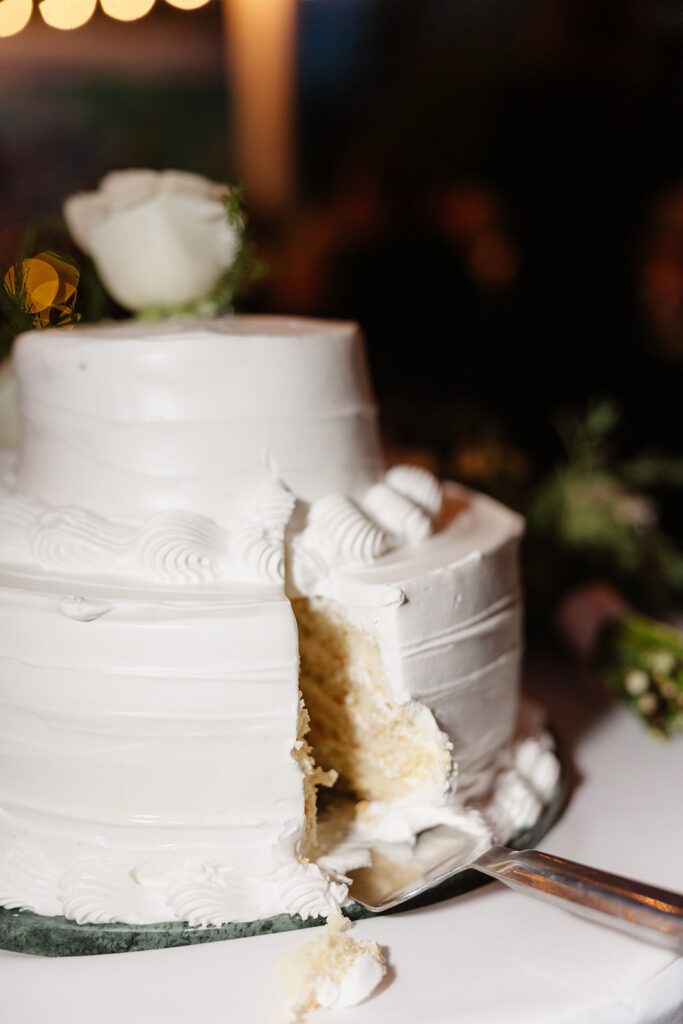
214	600
200	549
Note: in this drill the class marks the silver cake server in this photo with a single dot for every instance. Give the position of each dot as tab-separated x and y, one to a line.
441	853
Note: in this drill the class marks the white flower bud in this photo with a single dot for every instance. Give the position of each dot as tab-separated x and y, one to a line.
636	682
647	704
662	662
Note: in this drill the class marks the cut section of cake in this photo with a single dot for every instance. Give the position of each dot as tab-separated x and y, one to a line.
380	749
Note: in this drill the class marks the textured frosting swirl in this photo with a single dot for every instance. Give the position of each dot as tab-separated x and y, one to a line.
174	546
418	485
179	546
343	531
400	515
170	547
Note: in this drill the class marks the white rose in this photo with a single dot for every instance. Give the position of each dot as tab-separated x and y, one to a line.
157	238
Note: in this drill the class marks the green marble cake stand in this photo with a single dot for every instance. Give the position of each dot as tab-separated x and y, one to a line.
22	931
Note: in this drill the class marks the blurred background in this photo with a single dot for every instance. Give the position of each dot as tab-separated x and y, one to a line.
492	188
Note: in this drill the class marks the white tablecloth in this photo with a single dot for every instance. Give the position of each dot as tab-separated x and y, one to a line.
489	957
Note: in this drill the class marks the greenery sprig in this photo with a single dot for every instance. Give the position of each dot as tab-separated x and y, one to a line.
245	270
642	661
591	518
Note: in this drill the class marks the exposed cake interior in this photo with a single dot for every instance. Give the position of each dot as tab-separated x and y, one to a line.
336	970
313	776
380	750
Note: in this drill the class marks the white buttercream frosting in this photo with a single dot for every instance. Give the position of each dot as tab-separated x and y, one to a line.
307	891
182	678
419	485
397	513
176	486
354	987
128	419
29	878
83	610
204	894
103	890
171	546
341	532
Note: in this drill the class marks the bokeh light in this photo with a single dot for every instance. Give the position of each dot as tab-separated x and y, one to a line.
187	5
14	15
126	10
67	14
45	286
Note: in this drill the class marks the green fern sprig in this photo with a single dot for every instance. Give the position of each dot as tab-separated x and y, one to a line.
247	268
244	271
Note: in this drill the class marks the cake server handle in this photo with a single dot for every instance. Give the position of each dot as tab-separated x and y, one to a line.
634	907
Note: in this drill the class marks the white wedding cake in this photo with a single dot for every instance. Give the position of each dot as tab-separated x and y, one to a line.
200	549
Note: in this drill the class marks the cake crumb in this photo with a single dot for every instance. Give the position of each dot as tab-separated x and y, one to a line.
333	971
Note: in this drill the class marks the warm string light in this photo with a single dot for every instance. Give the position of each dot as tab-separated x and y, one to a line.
126	10
260	38
187	5
14	15
68	14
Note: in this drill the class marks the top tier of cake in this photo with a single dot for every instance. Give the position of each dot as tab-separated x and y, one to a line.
129	419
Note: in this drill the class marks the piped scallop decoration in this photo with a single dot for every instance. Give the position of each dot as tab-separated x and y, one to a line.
396	513
179	547
257	549
345	531
27	879
275	506
206	894
305	890
72	539
103	891
418	485
255	555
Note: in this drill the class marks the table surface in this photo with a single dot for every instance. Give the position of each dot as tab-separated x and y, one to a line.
488	956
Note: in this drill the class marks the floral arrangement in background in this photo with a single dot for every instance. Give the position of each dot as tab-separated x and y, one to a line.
592	520
593	516
596	555
642	660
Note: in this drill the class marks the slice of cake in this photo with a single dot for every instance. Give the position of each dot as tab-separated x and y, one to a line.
215	601
335	971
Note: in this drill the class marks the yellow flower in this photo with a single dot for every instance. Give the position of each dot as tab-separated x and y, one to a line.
46	288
